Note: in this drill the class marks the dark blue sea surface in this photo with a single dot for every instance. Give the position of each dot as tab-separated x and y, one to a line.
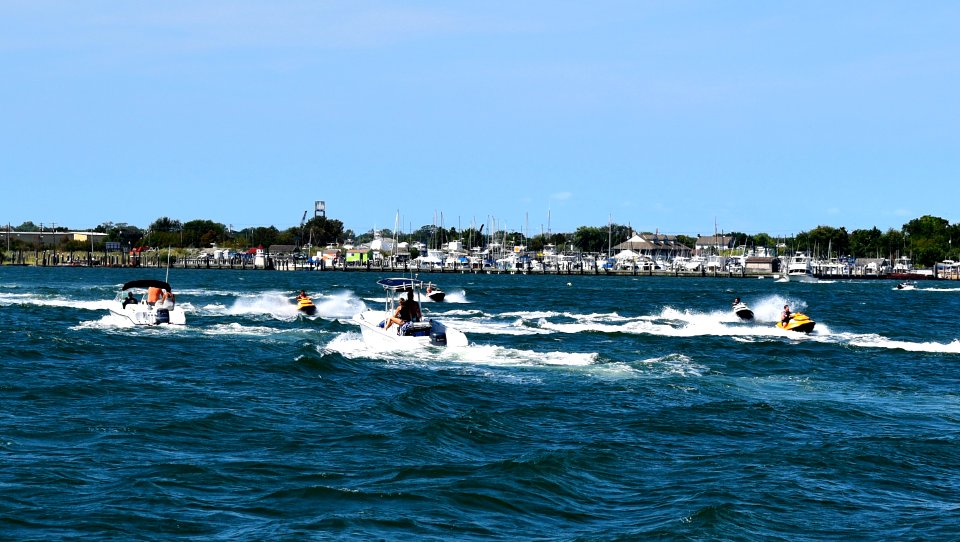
585	407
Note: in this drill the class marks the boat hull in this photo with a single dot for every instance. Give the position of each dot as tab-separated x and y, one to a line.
801	277
420	334
142	314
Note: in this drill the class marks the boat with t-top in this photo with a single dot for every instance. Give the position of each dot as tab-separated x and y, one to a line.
379	332
156	305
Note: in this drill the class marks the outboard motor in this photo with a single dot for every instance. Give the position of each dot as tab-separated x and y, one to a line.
438	333
163	316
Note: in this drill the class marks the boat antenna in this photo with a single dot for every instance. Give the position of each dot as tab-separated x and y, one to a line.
167	277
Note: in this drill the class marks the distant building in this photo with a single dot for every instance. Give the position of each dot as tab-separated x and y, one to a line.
714	242
51	238
760	264
357	256
382	244
655	246
868	267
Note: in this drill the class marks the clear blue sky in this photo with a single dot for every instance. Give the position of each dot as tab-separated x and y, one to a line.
674	116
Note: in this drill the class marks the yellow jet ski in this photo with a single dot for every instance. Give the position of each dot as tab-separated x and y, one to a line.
306	306
798	322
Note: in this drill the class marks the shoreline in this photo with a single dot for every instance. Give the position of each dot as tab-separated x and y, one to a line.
291	266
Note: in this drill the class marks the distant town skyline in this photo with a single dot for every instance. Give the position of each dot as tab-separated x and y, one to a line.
671	117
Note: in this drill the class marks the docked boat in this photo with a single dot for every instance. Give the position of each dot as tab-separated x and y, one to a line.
434	293
798	322
305	305
742	311
800	268
148	310
425	332
903	270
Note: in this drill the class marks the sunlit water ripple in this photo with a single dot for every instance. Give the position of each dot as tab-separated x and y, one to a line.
584	407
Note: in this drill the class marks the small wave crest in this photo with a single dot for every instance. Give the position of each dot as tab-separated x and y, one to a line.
877	341
280	306
7	299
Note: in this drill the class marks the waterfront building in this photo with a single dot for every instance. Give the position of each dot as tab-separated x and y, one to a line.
655	246
50	238
713	244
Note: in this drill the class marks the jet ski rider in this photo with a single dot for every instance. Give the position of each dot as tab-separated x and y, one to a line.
785	315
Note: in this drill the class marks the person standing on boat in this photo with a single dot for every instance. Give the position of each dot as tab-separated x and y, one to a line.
785	315
153	294
169	300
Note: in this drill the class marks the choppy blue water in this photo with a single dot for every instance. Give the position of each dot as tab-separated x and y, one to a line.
584	407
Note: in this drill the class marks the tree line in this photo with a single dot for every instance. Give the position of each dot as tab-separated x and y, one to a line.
926	240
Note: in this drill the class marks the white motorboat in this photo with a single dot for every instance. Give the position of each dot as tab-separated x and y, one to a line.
142	311
800	268
426	332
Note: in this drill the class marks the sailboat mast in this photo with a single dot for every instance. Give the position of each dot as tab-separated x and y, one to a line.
609	233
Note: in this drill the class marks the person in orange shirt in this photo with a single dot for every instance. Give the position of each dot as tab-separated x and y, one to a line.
153	295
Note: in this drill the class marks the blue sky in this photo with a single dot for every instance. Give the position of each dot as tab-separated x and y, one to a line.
674	116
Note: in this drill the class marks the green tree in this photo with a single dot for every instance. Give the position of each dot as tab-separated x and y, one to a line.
927	239
687	241
164	232
953	242
599	239
202	233
762	240
893	244
590	239
866	243
823	238
321	231
165	225
257	236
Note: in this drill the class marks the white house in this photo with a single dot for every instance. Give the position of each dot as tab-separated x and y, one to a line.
382	244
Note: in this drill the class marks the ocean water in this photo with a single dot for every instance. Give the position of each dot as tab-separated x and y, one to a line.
593	408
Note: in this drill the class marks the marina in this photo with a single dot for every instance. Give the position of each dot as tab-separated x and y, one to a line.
800	268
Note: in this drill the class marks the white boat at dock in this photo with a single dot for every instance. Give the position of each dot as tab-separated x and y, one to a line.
800	268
